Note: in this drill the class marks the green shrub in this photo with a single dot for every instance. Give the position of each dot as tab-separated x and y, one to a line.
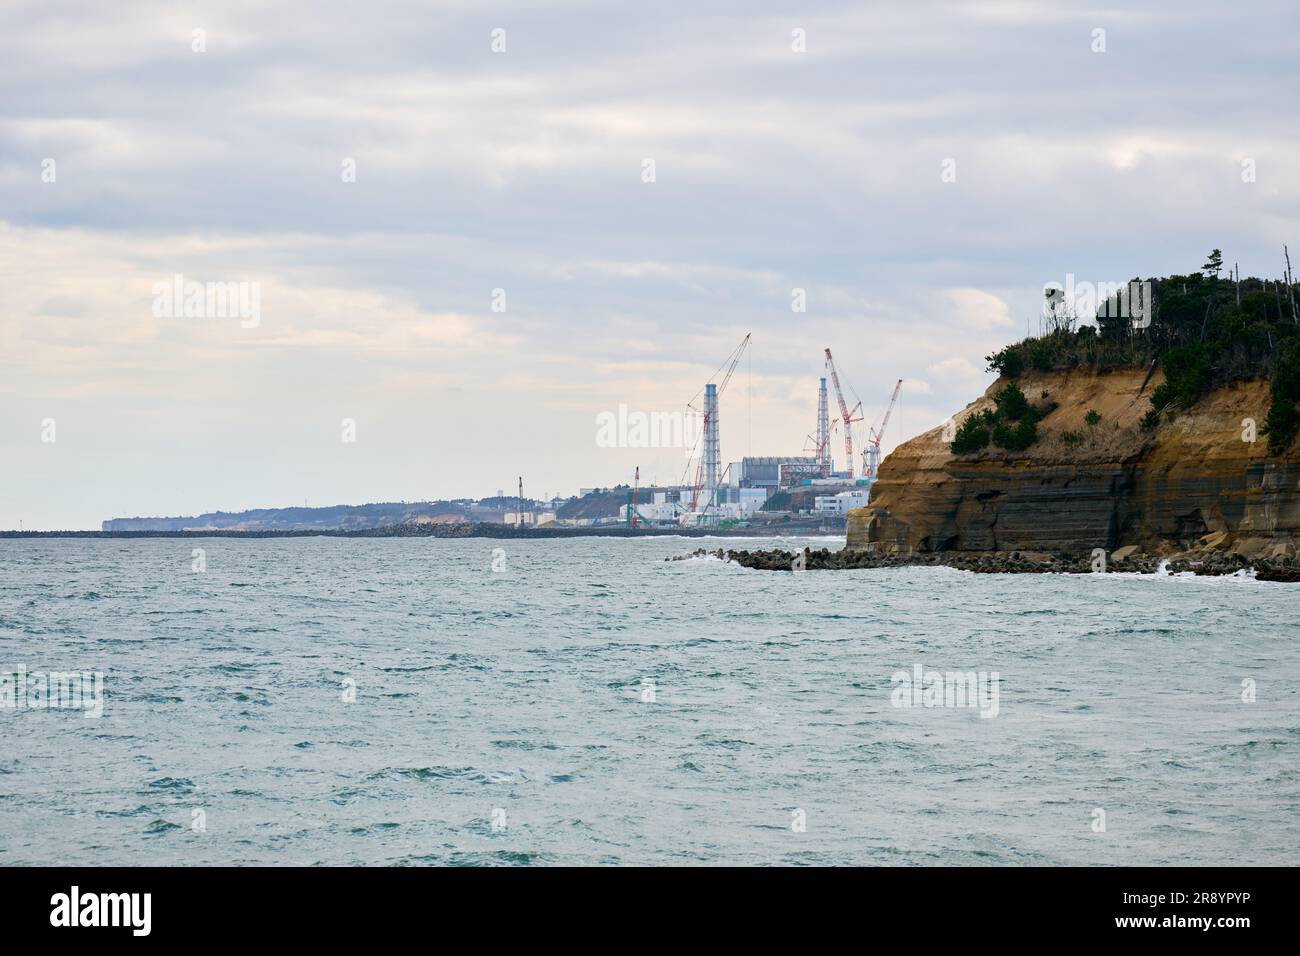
1011	402
1008	363
1013	424
1072	438
1042	356
1016	437
1187	376
1093	418
1281	425
1283	421
1026	434
972	435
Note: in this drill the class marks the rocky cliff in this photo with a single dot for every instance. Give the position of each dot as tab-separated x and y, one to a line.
1194	483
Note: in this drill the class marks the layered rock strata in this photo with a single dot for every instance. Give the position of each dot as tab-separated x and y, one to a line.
1195	484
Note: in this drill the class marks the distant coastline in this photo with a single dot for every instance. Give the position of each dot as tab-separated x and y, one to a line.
483	530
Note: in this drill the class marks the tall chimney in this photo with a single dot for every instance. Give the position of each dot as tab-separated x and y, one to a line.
712	456
823	431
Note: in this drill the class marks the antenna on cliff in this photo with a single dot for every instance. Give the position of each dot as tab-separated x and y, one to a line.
1290	285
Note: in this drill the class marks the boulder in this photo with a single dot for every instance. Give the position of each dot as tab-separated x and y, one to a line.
1252	547
1215	541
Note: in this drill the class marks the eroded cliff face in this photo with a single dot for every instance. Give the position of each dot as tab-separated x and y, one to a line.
1193	482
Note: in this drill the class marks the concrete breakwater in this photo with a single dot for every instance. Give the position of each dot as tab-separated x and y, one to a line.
1016	562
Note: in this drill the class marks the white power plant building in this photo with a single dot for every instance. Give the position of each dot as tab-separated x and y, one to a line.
840	504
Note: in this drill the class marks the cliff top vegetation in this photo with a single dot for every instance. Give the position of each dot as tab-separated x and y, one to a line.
1203	330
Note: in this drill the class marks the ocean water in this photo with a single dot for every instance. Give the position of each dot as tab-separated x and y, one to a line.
508	717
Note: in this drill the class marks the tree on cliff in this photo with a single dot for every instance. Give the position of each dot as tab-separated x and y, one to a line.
1213	265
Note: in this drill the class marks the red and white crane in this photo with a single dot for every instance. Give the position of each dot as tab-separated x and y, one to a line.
871	454
846	414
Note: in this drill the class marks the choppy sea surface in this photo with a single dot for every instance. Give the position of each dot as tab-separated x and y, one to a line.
590	703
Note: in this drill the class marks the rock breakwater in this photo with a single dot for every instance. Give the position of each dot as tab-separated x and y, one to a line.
1211	564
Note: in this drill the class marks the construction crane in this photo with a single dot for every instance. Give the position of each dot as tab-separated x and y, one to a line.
821	445
846	414
871	454
709	466
636	486
818	448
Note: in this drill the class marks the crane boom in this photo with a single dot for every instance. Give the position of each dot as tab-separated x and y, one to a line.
734	362
731	368
876	434
636	486
845	413
889	411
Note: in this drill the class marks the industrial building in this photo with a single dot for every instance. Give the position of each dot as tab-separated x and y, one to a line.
747	486
772	472
842	503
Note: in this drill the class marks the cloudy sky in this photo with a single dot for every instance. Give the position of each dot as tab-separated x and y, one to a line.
127	157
